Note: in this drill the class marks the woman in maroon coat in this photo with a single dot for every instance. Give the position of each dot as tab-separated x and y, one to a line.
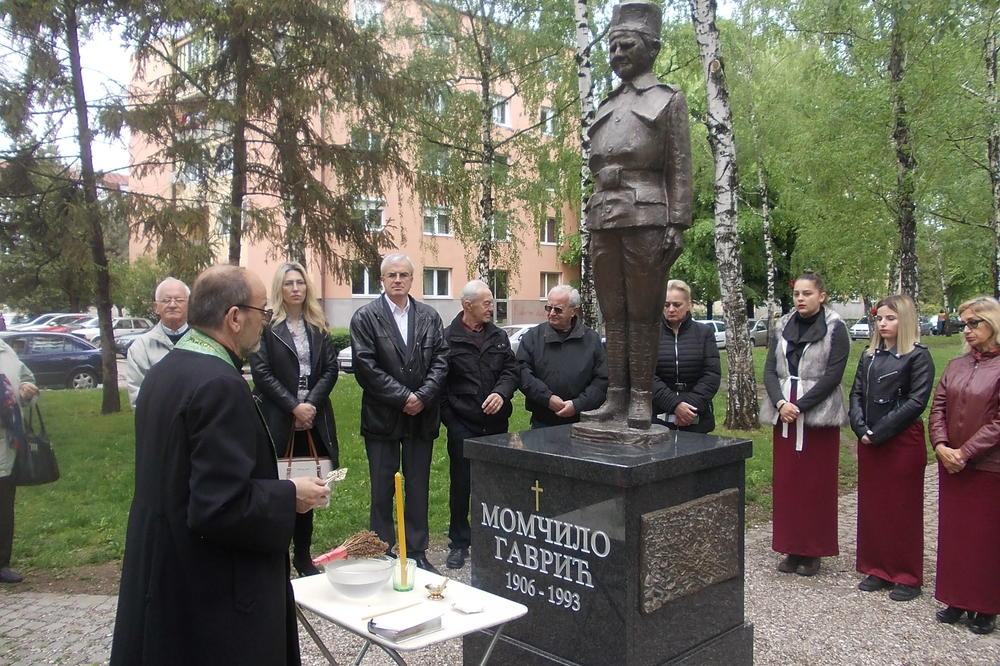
965	432
891	388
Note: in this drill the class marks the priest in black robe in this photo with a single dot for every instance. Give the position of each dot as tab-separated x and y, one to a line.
205	579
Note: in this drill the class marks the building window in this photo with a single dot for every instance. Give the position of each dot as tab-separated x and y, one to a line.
434	161
367	12
548	120
436	282
436	37
500	227
365	281
548	280
365	140
550	232
501	111
371	212
498	280
437	221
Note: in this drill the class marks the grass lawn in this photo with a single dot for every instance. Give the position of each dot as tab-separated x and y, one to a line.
80	520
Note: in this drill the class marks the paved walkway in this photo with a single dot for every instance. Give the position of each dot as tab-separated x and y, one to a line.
821	620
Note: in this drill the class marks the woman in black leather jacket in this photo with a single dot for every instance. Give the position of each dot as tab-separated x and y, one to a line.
294	372
891	389
688	371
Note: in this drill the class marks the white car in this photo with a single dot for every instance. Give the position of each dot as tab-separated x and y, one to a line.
345	359
515	332
119	325
860	330
720	331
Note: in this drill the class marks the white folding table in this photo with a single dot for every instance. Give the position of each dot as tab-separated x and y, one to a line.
314	593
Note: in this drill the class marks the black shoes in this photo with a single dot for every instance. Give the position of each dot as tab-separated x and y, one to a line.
423	563
873	583
304	566
983	623
8	575
949	615
808	566
789	564
901	592
456	558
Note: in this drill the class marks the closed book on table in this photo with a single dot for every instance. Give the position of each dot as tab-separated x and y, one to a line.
407	623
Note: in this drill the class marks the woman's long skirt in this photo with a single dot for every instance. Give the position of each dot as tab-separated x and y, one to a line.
805	492
891	507
968	554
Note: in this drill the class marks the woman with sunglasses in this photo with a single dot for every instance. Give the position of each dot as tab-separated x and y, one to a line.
891	389
805	405
688	370
294	372
965	433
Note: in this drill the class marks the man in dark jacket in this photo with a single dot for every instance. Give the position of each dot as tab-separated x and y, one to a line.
563	365
482	378
688	371
205	575
400	361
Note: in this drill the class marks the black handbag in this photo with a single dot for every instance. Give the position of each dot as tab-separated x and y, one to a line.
35	462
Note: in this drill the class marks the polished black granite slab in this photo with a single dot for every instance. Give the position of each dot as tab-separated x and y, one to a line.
623	554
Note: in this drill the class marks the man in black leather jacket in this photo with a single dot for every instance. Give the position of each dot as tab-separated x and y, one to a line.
400	361
482	378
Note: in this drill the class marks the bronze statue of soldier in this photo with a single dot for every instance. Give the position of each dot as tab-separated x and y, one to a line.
641	161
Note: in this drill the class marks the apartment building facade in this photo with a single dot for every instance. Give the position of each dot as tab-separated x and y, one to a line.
424	230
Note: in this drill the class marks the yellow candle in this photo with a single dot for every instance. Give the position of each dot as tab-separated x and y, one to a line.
400	529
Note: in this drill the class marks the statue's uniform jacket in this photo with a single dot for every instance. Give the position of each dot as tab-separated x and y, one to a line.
640	157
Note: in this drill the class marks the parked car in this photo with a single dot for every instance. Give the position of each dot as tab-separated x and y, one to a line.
926	327
757	329
720	331
345	359
515	332
119	326
125	340
65	323
36	323
59	360
859	331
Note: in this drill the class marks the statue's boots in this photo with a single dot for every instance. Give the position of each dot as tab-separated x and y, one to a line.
640	409
612	409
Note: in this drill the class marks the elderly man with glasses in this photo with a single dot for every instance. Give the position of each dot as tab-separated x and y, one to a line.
400	361
563	365
170	302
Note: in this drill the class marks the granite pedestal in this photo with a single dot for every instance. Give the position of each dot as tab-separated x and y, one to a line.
625	555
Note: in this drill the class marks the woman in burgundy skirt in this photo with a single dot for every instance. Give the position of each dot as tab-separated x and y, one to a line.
965	432
805	404
891	388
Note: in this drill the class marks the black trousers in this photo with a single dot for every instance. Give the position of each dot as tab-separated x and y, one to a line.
7	489
460	488
384	457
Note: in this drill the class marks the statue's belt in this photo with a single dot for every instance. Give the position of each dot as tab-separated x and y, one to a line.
616	177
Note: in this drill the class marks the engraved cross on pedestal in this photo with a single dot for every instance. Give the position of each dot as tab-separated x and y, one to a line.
537	490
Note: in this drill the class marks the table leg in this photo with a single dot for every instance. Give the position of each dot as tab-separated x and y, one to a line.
493	642
316	639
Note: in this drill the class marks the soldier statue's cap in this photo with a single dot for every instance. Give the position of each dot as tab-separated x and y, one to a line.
643	17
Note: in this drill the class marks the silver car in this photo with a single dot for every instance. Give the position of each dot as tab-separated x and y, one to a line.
720	331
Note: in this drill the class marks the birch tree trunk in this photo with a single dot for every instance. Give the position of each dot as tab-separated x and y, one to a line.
585	83
993	148
906	165
238	184
486	211
110	399
741	410
770	267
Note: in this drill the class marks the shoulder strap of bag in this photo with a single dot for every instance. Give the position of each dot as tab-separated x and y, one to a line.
41	422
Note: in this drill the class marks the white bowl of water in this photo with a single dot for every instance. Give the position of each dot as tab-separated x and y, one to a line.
359	579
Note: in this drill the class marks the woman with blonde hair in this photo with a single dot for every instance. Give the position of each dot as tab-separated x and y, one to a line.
965	433
294	371
805	405
891	388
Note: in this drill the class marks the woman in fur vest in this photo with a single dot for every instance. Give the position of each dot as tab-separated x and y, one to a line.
891	389
805	404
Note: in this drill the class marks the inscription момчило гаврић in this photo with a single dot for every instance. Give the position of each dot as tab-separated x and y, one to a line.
546	556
